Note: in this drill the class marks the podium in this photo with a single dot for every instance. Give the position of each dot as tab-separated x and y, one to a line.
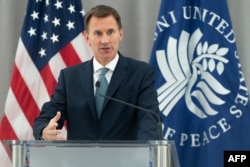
34	153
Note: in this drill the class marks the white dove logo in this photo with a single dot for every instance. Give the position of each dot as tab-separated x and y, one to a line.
191	77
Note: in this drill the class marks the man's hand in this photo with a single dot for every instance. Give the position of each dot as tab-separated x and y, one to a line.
50	132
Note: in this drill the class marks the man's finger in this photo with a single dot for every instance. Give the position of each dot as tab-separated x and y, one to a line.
57	117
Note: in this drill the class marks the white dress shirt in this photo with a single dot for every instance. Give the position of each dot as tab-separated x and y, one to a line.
97	66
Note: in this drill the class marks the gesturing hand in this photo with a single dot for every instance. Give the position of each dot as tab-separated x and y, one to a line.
50	132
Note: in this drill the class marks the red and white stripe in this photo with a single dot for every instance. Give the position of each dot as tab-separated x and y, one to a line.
29	89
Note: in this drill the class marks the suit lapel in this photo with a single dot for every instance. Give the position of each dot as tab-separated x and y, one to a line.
118	76
87	85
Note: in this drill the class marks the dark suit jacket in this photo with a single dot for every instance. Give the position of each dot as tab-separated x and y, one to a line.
132	81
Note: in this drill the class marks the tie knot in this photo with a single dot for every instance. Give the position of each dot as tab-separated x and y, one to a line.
103	71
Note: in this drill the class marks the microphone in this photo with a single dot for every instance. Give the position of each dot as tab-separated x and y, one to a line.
97	84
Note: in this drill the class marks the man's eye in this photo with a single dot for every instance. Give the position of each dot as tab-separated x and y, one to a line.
97	33
110	32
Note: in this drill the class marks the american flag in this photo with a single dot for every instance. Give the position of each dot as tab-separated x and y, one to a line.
51	39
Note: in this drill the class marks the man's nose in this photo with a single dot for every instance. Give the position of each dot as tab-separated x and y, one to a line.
105	39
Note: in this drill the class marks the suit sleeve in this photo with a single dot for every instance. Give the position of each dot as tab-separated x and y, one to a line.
49	109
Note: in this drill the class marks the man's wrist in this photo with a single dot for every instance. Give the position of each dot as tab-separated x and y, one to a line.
41	135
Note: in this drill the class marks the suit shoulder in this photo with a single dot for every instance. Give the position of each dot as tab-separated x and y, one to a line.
76	66
138	63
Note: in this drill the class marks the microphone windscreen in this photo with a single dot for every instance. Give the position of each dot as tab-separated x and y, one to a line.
97	84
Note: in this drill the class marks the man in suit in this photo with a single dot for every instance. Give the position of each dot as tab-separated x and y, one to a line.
128	80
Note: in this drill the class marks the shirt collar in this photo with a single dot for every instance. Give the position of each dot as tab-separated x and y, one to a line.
111	65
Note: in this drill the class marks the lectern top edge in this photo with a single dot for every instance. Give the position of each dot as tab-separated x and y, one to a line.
88	143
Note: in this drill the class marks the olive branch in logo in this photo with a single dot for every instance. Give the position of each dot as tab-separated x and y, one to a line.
209	55
191	77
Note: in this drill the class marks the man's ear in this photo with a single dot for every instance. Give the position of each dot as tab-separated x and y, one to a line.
121	34
86	36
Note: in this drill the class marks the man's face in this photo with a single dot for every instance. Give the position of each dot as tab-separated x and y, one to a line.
104	37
